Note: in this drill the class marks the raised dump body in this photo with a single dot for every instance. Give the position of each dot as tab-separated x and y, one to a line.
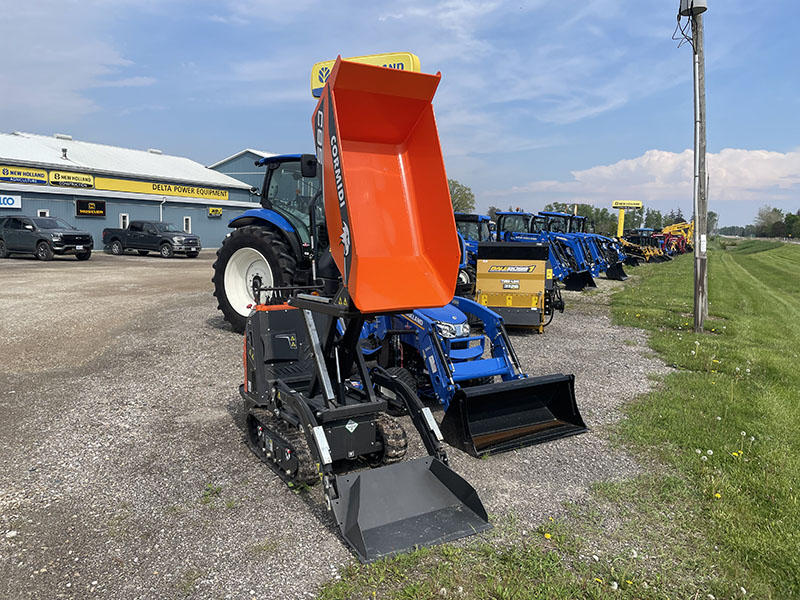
387	201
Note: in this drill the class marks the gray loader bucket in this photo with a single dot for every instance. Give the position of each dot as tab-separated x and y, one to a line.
616	272
398	507
499	417
578	281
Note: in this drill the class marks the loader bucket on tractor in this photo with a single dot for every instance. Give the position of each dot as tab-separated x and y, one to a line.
499	417
616	272
398	507
578	281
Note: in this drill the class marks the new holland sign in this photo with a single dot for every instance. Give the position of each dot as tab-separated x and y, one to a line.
69	179
626	204
403	61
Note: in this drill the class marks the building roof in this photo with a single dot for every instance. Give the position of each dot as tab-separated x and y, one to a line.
47	152
260	153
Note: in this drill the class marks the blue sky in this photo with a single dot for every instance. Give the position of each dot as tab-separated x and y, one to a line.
585	101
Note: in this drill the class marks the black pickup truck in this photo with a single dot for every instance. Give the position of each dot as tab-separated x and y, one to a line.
157	236
43	237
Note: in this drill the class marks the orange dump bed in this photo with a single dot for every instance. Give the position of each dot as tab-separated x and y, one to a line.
387	203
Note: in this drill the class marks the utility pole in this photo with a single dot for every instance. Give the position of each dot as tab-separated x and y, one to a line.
694	9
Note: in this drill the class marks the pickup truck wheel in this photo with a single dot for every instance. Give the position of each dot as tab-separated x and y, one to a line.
44	251
143	252
3	249
117	248
249	252
166	251
86	255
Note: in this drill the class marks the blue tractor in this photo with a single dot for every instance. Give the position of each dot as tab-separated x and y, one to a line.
437	354
606	254
274	246
570	258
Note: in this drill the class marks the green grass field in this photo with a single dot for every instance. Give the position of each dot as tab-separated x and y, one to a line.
718	514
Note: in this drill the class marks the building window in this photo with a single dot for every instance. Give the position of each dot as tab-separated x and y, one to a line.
187	224
123	220
43	212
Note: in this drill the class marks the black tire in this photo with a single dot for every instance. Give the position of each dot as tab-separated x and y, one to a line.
84	255
44	251
478	381
192	254
166	251
117	249
405	376
143	252
3	250
273	248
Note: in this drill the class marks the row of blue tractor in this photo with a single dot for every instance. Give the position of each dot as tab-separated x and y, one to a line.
576	254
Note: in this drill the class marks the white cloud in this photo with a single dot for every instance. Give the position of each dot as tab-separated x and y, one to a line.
127	82
661	178
53	53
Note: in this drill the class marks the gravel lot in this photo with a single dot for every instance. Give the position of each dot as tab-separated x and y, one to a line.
124	472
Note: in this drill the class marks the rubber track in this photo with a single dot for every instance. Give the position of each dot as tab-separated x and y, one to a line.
395	441
307	473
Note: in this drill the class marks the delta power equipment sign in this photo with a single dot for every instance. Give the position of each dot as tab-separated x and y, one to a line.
161	189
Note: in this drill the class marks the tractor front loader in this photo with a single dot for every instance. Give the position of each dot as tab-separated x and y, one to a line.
448	363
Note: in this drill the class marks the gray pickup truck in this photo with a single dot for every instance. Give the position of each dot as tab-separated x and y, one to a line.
156	236
43	237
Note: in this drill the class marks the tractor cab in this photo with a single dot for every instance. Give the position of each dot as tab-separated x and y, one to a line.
509	223
291	194
579	224
556	222
474	228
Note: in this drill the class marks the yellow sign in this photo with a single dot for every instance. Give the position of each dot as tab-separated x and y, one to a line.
67	179
23	175
626	204
214	211
160	189
512	268
404	61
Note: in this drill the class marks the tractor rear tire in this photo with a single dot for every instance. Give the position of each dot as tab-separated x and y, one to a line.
249	252
404	376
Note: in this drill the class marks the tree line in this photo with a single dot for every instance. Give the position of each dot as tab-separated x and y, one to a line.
770	222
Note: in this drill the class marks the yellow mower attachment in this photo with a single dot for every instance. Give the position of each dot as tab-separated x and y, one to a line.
515	280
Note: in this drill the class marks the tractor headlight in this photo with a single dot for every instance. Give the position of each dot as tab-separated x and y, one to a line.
450	330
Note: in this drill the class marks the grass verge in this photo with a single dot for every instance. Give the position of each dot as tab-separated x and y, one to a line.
720	519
